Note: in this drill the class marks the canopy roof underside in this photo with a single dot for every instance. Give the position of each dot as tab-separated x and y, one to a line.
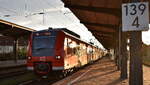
101	17
13	30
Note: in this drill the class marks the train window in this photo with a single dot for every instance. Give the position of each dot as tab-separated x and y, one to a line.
69	49
89	50
43	45
43	42
69	40
93	50
84	47
72	45
65	42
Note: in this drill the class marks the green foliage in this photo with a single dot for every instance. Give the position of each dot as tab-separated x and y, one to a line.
22	53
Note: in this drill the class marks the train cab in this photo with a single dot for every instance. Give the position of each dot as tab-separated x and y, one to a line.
46	51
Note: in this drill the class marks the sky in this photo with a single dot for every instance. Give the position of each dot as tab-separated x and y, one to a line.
146	37
29	13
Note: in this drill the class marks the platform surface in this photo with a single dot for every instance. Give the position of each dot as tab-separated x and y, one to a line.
103	72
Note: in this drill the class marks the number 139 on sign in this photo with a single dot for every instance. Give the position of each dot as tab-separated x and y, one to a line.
135	16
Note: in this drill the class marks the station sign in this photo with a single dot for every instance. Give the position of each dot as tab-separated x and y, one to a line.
135	16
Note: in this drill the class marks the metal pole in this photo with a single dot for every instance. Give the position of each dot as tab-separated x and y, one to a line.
119	57
15	49
124	74
136	71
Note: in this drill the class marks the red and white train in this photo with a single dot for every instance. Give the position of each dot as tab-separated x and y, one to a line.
59	50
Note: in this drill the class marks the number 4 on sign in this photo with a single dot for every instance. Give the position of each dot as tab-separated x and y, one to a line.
136	22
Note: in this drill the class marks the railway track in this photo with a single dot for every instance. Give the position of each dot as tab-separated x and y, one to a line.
55	77
7	72
11	74
42	81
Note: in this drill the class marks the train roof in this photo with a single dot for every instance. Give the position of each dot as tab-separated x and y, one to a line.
61	29
70	32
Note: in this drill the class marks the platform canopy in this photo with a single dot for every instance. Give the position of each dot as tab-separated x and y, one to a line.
13	30
101	17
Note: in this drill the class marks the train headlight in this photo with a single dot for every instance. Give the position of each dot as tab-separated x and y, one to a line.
29	58
58	57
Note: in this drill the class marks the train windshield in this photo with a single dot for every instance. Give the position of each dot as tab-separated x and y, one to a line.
43	45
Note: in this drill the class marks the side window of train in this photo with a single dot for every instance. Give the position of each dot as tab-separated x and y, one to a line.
89	50
81	49
72	47
93	50
84	49
69	46
69	43
77	49
65	42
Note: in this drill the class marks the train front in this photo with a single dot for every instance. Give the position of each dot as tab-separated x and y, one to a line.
44	54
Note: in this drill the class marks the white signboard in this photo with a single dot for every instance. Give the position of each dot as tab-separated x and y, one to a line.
135	16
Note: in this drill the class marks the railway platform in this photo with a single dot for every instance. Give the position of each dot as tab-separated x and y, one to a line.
103	72
12	63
